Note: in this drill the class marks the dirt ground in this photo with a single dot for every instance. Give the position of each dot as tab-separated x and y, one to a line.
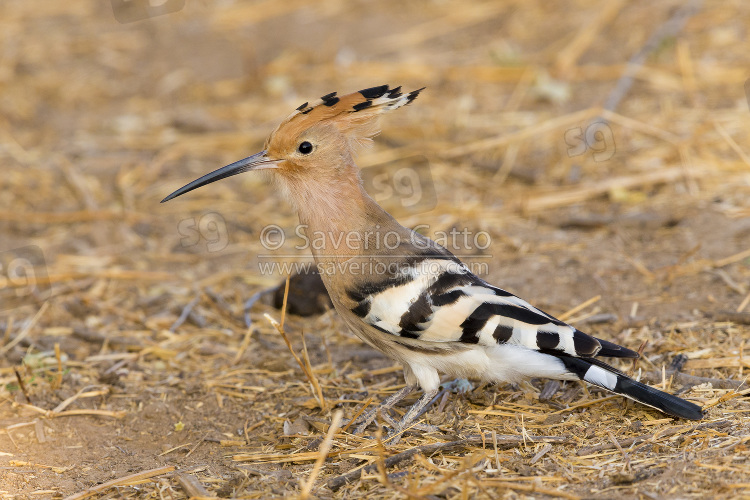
127	368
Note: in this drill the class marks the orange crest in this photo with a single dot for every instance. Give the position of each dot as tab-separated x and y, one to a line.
355	115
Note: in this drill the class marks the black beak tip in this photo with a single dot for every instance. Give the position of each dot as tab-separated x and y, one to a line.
235	168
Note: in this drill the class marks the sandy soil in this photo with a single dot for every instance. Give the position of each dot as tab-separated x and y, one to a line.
105	110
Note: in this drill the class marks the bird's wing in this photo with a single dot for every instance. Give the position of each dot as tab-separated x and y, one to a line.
439	300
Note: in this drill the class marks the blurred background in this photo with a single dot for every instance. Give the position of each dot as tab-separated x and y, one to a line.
601	150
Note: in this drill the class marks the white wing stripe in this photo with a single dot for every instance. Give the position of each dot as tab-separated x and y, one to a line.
524	334
601	377
388	306
566	339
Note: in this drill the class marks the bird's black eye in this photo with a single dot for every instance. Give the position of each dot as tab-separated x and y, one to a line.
305	148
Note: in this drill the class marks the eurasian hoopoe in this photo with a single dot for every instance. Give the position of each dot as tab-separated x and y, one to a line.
414	300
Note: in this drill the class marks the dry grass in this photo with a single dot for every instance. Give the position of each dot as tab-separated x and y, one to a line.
141	342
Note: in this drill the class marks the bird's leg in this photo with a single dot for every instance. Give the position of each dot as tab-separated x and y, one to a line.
458	386
411	415
426	407
387	403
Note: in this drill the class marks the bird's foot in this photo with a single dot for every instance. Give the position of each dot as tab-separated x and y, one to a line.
459	386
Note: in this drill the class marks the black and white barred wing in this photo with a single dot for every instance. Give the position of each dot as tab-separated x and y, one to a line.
439	300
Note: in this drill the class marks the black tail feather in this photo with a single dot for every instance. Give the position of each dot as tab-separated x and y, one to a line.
612	350
600	374
669	404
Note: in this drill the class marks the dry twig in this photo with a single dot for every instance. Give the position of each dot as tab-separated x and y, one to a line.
122	481
428	449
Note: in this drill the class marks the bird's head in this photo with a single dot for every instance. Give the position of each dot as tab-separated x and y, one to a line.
317	139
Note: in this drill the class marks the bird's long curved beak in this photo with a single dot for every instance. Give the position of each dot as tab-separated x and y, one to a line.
258	161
